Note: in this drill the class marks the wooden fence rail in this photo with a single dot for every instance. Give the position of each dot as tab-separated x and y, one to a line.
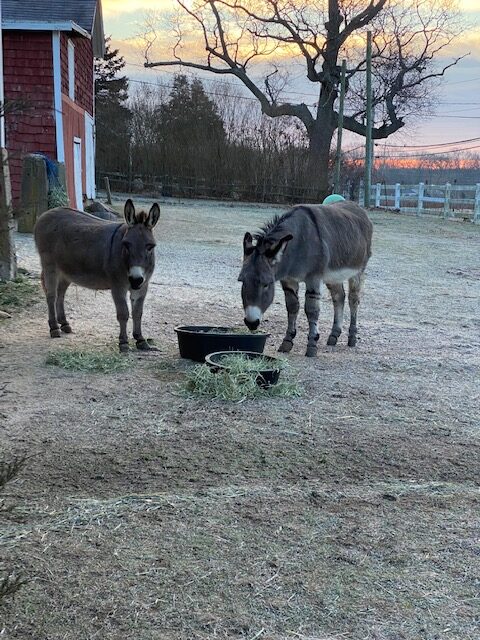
447	200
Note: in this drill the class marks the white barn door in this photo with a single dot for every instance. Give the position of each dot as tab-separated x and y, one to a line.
77	171
89	156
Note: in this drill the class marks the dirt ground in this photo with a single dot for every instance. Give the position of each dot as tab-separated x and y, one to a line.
351	513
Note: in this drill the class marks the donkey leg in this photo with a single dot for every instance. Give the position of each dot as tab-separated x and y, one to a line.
62	287
50	280
290	289
354	289
312	310
120	299
137	299
338	298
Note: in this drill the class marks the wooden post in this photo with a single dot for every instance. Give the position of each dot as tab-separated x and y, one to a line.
107	188
368	140
8	261
446	204
338	159
34	192
397	196
378	193
476	210
361	193
421	191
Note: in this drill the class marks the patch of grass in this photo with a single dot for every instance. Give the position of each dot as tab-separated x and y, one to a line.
10	469
18	293
201	382
101	361
238	363
10	583
230	330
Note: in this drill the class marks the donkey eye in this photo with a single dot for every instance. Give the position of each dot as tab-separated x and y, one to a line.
265	286
150	247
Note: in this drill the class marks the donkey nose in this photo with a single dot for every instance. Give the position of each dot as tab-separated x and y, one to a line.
136	282
252	325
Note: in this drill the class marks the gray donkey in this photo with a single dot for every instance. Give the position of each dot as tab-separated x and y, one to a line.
80	248
311	244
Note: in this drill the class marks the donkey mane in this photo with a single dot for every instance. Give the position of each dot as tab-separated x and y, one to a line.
272	225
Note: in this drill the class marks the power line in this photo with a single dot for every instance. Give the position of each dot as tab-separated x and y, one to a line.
463	81
425	155
459	117
424	146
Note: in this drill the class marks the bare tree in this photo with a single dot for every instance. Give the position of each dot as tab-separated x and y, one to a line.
234	35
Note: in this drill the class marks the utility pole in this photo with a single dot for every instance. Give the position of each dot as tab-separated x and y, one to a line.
368	141
338	159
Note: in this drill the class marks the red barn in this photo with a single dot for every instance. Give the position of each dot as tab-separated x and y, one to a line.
48	52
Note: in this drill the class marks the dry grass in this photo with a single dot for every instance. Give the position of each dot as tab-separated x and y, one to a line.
228	561
237	385
10	469
10	580
81	360
18	293
10	583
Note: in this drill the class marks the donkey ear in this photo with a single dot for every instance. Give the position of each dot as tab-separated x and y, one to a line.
129	213
153	216
275	252
248	246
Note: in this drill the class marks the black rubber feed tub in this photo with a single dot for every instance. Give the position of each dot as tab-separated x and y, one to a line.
265	377
196	342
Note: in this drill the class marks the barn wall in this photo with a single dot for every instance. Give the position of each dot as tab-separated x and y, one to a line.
73	127
28	76
83	70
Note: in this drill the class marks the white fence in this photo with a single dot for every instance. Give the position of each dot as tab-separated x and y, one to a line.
447	200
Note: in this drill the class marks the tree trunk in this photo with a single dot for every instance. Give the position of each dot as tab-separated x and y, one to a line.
320	140
8	261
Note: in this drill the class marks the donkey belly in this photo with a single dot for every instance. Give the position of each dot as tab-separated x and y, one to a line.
88	280
337	276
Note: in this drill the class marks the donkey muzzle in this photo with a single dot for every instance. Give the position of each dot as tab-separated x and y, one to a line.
253	316
136	277
136	283
252	325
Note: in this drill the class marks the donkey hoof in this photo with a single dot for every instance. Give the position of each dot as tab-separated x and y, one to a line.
352	341
332	340
311	351
286	346
55	333
123	347
143	345
66	328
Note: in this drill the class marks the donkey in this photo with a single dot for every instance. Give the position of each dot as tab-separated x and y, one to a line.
78	247
311	244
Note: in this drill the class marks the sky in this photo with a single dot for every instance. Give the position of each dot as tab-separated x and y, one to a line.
457	110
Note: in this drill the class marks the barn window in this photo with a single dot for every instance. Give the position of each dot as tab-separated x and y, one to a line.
71	70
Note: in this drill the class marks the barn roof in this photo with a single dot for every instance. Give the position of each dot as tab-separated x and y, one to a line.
83	16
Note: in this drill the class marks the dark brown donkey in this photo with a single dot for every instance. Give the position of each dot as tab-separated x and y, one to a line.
311	244
80	248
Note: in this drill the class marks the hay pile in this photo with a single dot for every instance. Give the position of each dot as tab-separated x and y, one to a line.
98	361
239	382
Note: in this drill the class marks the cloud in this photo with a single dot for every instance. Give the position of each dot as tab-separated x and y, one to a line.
469	6
117	7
